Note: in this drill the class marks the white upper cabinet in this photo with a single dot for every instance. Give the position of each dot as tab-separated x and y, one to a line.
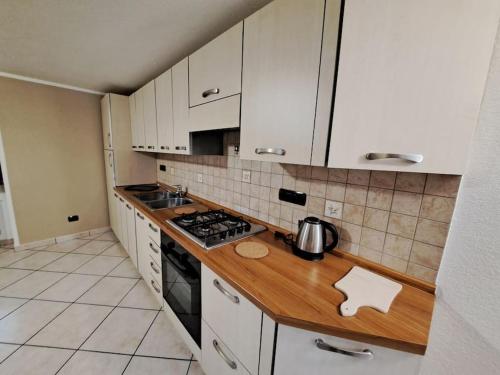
410	82
149	108
138	121
215	69
164	112
282	53
106	122
133	121
180	106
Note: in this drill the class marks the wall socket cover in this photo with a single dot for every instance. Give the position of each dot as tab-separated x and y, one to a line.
334	209
200	177
245	177
172	170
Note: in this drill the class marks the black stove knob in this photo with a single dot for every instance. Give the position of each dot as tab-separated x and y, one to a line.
230	232
239	230
223	235
247	228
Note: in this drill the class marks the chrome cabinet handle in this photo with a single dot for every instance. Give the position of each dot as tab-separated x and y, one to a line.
156	251
181	148
151	147
140	146
153	228
110	157
363	354
116	195
165	147
109	139
274	151
210	92
154	268
140	216
153	284
128	206
121	200
234	299
134	146
223	355
412	158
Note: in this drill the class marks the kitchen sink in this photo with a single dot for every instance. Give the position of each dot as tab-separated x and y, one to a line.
167	203
156	196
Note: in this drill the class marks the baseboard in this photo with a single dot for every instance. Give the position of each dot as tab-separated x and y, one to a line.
7	242
66	237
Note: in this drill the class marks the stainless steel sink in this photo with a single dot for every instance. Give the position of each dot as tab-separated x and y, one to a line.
167	203
156	196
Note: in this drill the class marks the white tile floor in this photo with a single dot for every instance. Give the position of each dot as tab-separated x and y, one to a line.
80	307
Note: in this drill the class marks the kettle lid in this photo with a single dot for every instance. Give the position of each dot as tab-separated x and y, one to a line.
312	220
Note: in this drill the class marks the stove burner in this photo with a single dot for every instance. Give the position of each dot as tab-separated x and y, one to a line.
205	229
187	220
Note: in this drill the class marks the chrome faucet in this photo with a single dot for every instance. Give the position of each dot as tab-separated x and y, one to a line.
180	191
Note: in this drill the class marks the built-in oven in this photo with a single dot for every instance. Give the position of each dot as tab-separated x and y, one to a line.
181	273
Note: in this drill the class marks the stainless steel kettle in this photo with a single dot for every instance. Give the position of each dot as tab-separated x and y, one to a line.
310	243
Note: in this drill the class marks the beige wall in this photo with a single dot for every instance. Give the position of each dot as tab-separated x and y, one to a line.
54	152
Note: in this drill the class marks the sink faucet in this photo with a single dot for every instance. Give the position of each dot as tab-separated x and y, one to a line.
180	191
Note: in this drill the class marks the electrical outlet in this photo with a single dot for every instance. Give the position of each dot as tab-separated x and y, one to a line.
172	171
163	167
73	218
334	209
200	177
245	177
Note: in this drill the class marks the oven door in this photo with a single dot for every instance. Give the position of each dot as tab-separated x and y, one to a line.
181	274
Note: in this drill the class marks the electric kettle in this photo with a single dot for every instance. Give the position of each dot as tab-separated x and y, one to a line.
310	243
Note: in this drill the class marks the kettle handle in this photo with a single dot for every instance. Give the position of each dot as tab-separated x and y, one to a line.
335	235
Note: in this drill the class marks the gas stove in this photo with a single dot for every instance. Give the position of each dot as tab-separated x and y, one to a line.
214	228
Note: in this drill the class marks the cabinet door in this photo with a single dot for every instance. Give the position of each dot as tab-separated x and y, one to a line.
123	223
297	353
281	60
164	112
106	122
131	232
142	243
180	100
215	69
417	90
113	214
149	108
216	357
133	121
232	317
118	228
139	113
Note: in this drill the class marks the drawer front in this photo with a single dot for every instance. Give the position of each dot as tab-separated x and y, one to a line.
154	250
232	317
154	232
298	351
155	286
216	358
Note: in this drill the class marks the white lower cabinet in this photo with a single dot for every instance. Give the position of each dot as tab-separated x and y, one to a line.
131	233
298	352
232	317
216	357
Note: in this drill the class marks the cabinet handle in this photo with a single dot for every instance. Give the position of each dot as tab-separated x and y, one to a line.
134	146
155	250
153	284
110	157
210	92
234	299
128	206
363	354
151	147
412	158
223	355
162	147
109	139
274	151
140	216
181	148
140	146
121	200
154	268
116	195
153	228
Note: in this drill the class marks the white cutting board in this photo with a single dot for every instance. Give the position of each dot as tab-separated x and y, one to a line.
365	288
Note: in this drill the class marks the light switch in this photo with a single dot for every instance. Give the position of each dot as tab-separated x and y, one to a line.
334	209
245	177
200	177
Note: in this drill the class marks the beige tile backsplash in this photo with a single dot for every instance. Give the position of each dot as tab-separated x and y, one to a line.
400	220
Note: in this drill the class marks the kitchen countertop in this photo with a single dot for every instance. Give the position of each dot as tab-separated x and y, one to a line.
299	293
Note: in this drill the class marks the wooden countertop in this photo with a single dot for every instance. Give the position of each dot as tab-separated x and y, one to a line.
299	293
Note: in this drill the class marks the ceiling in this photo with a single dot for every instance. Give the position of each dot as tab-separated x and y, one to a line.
109	45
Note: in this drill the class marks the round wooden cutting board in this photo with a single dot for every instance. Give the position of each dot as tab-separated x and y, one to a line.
252	250
184	210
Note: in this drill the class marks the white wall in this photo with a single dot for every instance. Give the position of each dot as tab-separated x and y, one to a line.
465	332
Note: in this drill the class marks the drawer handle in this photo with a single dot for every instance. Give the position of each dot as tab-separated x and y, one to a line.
140	216
274	151
363	354
223	355
140	146
210	92
129	207
121	200
154	268
153	284
151	147
116	196
153	228
412	158
181	148
165	147
234	299
156	251
134	146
